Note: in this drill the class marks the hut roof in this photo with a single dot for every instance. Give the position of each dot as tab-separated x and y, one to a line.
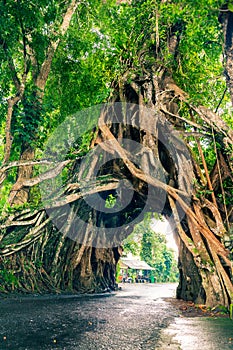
135	264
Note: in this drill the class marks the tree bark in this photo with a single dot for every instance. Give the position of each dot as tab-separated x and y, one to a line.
226	19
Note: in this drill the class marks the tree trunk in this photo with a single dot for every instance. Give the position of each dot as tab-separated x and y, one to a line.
18	195
190	283
226	19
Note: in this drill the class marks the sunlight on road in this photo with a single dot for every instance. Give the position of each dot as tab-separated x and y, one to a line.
197	333
150	290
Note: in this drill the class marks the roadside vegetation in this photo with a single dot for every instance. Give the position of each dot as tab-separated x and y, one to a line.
152	248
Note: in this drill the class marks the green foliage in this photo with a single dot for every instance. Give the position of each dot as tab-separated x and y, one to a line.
231	311
199	46
230	6
131	245
27	119
110	201
118	269
156	253
152	248
4	192
103	42
8	278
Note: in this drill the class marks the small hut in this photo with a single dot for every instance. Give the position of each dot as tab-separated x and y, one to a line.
135	270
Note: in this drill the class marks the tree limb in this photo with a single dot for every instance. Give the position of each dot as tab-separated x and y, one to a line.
189	122
209	117
75	196
46	65
38	179
19	163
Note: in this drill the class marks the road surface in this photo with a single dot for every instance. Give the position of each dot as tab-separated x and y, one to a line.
137	317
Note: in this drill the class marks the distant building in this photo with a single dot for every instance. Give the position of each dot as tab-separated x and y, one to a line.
134	270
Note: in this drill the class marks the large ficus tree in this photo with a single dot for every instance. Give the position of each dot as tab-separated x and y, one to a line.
165	57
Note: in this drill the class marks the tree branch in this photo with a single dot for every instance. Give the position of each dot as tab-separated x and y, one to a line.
46	65
209	117
38	179
19	163
90	189
189	122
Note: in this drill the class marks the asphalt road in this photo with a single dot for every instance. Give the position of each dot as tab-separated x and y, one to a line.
137	317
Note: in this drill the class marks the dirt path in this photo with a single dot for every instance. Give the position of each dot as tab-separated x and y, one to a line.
137	317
